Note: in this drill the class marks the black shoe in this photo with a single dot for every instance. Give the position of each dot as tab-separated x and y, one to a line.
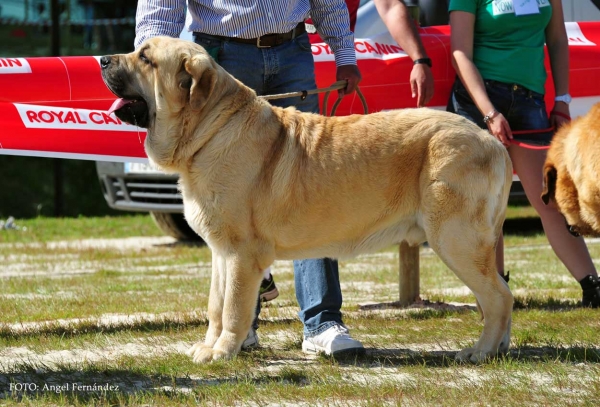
268	289
591	292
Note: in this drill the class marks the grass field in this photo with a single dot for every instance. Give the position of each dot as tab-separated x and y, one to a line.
100	311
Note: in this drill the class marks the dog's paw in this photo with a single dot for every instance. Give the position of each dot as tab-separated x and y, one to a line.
472	355
202	353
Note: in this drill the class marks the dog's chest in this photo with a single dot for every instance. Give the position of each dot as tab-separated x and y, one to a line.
200	211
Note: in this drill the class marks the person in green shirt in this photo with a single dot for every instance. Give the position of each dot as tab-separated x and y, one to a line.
498	53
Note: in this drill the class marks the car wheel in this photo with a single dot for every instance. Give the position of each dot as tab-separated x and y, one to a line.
174	225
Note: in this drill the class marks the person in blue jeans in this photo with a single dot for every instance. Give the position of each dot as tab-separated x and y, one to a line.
498	53
264	45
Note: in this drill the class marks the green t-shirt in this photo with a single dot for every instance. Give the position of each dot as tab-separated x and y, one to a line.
507	47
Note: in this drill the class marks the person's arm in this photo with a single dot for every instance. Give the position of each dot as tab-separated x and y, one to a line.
158	17
398	21
558	52
462	32
331	20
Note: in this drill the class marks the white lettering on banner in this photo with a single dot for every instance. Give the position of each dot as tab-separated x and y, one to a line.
380	47
50	117
576	36
14	65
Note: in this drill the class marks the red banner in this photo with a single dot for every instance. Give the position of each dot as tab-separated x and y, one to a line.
56	107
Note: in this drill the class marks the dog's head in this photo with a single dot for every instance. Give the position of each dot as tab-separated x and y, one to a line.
164	86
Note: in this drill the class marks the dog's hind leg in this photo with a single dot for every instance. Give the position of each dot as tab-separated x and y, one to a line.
472	258
466	242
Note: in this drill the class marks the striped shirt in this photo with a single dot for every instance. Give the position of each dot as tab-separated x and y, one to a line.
248	19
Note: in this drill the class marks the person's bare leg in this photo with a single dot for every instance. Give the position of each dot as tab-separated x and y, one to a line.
572	251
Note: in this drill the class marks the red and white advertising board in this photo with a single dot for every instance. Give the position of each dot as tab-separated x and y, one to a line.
56	107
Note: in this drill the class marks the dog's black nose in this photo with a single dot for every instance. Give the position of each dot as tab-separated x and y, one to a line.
104	62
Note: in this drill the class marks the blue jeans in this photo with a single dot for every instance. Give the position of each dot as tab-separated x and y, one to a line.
523	108
288	67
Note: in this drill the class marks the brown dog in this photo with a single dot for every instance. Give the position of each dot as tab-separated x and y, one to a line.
261	183
572	173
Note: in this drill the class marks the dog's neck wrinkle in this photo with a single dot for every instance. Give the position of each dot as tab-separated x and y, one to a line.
199	129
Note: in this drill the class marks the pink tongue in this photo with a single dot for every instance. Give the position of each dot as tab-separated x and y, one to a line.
117	104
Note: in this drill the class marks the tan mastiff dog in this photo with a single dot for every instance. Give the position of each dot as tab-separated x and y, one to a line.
572	173
261	183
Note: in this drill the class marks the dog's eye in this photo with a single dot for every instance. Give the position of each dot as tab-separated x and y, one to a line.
144	58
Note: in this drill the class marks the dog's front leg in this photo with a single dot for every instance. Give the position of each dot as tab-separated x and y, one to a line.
202	351
238	305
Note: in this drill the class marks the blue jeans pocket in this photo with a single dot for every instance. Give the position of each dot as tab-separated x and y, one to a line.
303	42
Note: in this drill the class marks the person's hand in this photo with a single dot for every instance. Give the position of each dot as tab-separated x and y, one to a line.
421	84
562	115
500	129
351	74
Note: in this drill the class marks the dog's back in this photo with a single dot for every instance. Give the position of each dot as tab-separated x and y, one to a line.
361	183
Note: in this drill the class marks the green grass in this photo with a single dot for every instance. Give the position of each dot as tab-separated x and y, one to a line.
52	229
123	315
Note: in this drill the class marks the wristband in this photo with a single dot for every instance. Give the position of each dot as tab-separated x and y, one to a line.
490	116
426	61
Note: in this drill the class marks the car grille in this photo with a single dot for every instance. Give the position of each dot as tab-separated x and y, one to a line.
144	192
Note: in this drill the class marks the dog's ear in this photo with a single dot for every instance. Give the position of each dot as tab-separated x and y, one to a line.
203	79
549	187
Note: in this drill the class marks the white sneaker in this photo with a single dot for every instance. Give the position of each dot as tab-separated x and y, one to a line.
334	341
251	340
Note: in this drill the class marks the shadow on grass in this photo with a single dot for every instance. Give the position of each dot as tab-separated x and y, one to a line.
528	226
546	304
91	327
421	309
123	386
182	243
525	354
425	309
110	387
79	328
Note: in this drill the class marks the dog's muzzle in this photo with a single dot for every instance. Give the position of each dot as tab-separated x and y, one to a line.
132	109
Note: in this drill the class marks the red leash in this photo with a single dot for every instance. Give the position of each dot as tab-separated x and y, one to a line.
527	145
549	129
